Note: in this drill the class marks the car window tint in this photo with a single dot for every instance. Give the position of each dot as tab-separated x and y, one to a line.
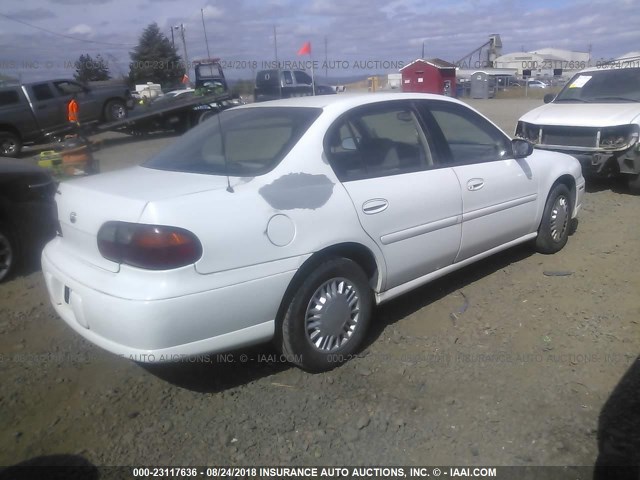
42	91
9	97
68	88
302	77
242	142
377	142
471	139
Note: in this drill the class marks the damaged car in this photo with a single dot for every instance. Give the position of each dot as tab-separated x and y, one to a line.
595	118
291	220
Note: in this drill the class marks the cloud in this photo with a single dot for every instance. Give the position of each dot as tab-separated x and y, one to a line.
80	29
211	11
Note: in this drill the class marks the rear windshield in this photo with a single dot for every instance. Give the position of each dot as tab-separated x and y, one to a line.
268	78
240	142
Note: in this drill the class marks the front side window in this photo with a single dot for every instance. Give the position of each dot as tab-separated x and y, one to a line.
469	137
377	141
240	142
302	78
68	88
42	92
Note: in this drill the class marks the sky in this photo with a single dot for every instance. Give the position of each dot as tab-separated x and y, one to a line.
362	36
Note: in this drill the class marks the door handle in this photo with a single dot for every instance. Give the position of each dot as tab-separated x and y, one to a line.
375	205
475	184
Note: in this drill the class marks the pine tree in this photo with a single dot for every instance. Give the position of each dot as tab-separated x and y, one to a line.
90	70
155	60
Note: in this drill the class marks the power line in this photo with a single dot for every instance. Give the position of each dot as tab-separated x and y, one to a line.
66	36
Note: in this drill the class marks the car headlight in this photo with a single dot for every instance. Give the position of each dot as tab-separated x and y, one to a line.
528	131
619	138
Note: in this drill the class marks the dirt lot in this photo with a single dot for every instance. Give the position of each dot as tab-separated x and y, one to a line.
519	378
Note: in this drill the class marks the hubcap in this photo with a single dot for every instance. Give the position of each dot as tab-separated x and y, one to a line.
8	147
332	314
118	111
559	218
6	256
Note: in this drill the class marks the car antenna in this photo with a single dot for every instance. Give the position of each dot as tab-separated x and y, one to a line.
224	155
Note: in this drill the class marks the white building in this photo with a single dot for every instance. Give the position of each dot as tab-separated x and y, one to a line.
545	62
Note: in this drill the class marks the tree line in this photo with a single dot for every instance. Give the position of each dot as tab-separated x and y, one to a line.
154	59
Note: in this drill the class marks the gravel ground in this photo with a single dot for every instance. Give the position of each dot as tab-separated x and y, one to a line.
497	364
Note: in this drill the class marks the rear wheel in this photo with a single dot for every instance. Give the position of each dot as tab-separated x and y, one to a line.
10	144
327	317
115	110
8	253
554	227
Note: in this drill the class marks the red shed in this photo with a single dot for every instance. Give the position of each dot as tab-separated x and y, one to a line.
429	76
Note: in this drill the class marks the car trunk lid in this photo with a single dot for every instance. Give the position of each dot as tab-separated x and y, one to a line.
84	205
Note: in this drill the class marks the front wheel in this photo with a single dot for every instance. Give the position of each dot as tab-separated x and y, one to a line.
554	227
327	317
8	253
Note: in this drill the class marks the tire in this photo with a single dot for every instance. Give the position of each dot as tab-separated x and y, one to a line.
10	144
633	182
338	292
115	110
8	253
556	220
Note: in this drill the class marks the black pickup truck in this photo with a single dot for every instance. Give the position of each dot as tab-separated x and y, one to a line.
275	84
29	113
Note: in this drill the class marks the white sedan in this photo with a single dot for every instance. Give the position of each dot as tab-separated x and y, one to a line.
289	220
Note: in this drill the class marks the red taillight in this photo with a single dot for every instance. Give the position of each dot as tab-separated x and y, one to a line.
152	247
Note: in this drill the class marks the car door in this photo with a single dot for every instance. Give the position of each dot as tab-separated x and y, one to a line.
409	208
89	107
49	110
499	193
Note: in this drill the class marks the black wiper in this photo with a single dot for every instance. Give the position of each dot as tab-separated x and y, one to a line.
581	100
623	99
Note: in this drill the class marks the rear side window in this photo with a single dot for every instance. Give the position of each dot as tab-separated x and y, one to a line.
42	91
377	141
9	97
244	142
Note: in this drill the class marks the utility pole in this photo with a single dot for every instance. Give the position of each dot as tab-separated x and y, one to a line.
326	63
205	33
173	42
275	46
184	45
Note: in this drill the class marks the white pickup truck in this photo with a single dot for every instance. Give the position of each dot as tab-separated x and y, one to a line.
595	118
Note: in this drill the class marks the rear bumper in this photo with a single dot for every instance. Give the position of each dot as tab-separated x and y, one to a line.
160	330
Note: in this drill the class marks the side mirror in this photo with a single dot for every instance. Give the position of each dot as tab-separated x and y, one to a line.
521	148
348	144
549	97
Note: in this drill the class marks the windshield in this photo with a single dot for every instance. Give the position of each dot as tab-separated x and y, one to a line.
239	142
613	85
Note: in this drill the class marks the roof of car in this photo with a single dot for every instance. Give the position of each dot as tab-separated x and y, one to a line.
347	100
